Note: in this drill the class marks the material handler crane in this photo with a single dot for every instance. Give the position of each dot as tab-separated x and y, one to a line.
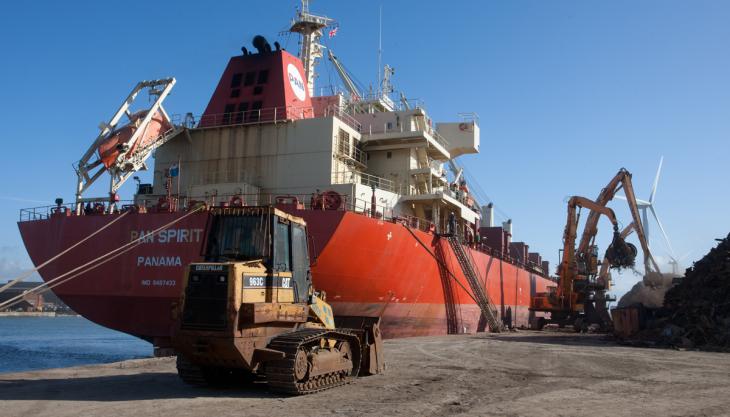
580	298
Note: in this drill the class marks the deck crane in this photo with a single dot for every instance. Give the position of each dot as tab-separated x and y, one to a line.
345	77
580	297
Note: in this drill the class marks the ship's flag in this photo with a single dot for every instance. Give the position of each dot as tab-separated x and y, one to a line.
333	32
174	170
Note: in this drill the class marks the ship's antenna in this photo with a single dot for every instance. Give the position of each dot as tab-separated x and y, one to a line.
380	41
309	26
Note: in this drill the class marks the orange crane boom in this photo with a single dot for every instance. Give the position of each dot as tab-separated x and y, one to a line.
580	296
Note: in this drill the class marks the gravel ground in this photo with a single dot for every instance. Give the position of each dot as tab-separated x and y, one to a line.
513	374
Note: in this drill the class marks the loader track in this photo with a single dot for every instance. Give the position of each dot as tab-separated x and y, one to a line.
190	373
281	375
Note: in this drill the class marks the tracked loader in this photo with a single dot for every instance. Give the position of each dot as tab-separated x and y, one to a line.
250	311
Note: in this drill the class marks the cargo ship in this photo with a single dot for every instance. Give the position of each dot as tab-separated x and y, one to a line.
375	179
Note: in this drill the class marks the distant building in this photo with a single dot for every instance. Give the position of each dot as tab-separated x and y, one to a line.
45	301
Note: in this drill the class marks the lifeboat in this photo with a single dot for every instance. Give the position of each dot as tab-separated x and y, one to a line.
115	143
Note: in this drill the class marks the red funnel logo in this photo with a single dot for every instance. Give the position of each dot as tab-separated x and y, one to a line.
296	81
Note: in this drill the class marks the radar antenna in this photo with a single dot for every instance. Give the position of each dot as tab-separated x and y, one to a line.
310	26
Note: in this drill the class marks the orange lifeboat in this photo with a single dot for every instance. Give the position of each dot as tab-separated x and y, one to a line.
110	148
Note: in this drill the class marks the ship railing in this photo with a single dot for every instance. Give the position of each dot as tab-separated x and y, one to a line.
356	177
440	139
351	152
259	116
41	212
245	117
341	113
388	127
158	204
504	256
69	209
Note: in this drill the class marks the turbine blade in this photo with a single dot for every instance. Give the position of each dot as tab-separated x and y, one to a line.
656	180
620	197
666	238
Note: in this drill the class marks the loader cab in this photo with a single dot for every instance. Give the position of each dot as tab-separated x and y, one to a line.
261	235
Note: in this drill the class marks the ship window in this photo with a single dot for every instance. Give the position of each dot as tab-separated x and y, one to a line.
389	155
227	113
258	90
250	78
263	77
242	109
254	115
236	80
235	93
343	140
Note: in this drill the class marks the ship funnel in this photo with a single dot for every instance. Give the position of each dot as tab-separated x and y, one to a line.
261	44
488	215
507	226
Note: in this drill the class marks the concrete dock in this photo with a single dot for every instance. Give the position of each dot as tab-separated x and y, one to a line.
511	374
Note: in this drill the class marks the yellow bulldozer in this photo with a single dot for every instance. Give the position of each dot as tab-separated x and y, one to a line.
250	311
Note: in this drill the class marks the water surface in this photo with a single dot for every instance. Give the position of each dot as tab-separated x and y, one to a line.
28	343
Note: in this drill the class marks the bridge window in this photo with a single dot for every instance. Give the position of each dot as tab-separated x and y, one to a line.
250	78
242	108
236	80
263	77
227	113
344	142
253	114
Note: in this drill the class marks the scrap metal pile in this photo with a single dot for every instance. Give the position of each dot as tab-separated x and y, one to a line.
699	306
696	310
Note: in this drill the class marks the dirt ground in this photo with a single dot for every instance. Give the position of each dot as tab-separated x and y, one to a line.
513	374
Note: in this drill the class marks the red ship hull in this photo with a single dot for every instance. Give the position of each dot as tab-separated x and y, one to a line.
366	266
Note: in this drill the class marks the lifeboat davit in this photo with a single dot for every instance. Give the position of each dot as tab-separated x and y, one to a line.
113	145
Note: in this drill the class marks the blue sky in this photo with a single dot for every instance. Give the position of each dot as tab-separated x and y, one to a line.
567	92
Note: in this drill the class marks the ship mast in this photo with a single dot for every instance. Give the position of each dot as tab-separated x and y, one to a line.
310	27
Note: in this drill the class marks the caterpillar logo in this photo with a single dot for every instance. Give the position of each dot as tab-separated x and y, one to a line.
209	267
296	82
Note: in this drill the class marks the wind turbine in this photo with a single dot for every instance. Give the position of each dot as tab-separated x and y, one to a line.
646	206
675	262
